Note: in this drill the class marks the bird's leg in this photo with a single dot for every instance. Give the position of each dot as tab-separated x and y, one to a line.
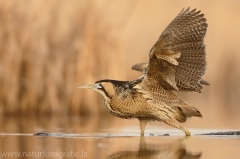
142	126
183	129
176	124
186	131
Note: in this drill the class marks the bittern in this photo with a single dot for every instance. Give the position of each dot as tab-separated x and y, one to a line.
177	63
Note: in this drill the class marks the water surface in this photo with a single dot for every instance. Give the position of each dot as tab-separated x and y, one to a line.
74	139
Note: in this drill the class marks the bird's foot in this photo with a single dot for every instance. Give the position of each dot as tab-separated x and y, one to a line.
187	132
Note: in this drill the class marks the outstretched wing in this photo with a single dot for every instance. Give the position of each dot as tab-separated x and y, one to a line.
142	67
178	59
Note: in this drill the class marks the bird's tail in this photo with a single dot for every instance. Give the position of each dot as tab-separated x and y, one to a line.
190	111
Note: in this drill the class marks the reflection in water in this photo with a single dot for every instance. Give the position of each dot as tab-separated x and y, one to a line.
175	150
91	136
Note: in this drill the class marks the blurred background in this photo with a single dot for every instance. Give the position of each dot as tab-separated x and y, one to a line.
49	47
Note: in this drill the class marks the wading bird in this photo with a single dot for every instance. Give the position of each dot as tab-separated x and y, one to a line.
177	63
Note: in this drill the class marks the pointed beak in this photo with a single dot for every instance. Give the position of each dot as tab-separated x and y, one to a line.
87	86
90	86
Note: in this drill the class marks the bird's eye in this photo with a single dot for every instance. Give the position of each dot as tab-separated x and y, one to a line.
99	86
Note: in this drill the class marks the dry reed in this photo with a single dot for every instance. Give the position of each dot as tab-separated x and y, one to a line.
48	48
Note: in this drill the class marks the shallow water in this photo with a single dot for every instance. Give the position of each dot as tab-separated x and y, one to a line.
122	146
70	138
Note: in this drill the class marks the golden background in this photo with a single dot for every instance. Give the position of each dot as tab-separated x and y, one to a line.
48	48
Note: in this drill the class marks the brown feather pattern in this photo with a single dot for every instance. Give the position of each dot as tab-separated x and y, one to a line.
184	35
177	62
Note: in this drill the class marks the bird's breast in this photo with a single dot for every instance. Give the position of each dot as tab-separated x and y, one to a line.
115	112
128	106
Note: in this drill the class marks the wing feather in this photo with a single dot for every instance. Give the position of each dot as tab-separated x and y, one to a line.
178	59
141	67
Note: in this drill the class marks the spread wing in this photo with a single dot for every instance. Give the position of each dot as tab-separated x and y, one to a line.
178	59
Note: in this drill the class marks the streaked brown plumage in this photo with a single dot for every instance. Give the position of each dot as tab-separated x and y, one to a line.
177	62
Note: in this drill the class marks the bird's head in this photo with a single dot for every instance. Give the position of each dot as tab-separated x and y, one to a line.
107	88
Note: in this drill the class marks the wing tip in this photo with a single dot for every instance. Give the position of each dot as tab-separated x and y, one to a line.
135	67
141	67
203	82
189	11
